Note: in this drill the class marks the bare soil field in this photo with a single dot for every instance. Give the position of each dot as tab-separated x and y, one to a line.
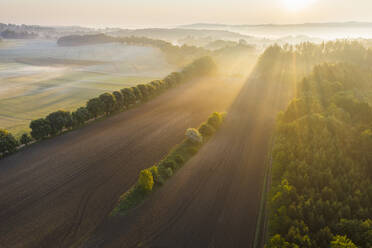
56	192
213	200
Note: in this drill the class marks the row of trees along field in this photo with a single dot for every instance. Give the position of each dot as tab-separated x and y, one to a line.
155	176
105	104
321	193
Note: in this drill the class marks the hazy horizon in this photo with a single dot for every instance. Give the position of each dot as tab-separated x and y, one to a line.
166	13
144	26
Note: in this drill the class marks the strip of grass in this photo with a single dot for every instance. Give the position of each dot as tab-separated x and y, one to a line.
261	227
154	177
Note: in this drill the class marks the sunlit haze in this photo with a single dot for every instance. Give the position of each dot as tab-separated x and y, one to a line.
149	13
186	123
296	5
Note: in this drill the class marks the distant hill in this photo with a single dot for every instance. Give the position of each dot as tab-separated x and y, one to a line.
14	31
81	40
202	34
10	34
175	34
175	55
330	30
302	25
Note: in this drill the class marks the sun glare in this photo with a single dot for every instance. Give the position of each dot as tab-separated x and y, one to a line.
295	5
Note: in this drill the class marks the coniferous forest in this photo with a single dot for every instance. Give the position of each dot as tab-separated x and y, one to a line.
321	194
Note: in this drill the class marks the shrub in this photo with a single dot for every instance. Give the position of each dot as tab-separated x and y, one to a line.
215	120
169	172
193	135
155	173
80	116
109	103
137	93
168	163
128	96
146	180
179	159
150	89
129	199
59	120
164	173
206	130
40	128
8	144
119	100
144	91
25	139
192	150
95	107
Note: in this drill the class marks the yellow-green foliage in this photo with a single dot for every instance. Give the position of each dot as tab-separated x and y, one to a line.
193	135
321	173
146	180
215	120
155	176
155	173
209	127
342	242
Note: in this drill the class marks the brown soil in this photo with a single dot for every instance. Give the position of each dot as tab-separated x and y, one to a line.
213	201
56	192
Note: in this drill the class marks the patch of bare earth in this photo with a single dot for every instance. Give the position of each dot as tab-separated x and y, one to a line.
55	193
213	200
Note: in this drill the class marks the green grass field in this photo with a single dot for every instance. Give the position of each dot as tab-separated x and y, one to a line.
37	77
36	96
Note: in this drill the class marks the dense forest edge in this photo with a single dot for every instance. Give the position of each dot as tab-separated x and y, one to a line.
151	179
321	193
102	106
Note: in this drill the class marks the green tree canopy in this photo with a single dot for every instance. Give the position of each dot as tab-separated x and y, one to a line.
25	139
108	101
8	144
95	107
40	128
146	180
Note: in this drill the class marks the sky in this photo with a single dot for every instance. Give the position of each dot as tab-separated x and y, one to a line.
163	13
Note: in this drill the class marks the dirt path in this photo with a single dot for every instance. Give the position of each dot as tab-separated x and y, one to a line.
213	201
55	193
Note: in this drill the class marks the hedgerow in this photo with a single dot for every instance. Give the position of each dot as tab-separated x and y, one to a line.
162	171
109	103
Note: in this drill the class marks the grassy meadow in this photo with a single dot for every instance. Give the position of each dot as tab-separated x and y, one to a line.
45	78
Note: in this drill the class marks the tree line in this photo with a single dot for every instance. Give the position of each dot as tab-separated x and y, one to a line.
151	178
321	193
176	55
103	105
281	67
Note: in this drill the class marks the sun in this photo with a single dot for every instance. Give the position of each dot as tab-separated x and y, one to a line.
296	5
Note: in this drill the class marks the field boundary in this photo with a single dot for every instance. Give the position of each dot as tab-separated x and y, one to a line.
262	221
107	104
152	178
